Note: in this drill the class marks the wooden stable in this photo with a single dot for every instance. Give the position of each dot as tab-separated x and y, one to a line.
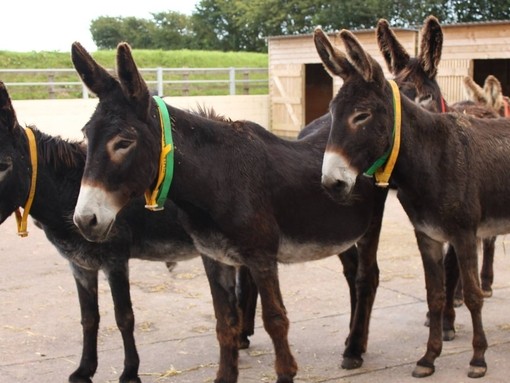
300	89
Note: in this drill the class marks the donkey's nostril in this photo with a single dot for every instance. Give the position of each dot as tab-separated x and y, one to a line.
92	220
339	186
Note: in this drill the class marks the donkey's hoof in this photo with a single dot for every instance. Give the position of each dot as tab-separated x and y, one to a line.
130	380
243	343
487	293
448	335
131	377
285	379
350	363
477	371
76	377
423	371
457	302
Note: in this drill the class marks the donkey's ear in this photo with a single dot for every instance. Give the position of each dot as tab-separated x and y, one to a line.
362	62
334	60
394	53
132	82
431	46
7	114
474	91
93	75
493	92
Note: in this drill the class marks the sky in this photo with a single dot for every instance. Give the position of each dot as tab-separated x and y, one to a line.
53	25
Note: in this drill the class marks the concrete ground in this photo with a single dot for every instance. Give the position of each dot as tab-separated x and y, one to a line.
40	330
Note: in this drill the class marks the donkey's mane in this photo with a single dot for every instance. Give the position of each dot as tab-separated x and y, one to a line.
209	113
59	152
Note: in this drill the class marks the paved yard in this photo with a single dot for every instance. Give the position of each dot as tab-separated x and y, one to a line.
40	330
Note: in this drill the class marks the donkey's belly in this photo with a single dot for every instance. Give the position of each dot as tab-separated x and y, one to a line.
492	227
291	251
223	250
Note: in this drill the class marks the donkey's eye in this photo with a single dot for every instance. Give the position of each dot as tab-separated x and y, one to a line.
425	100
5	166
122	144
360	118
118	148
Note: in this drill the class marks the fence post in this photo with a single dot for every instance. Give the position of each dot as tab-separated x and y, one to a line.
84	91
51	90
246	83
185	84
159	76
232	80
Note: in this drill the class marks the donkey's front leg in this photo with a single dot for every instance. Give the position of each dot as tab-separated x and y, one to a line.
274	316
222	281
118	278
367	281
432	258
86	284
466	247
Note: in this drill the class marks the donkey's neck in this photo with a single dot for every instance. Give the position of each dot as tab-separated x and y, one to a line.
60	168
426	139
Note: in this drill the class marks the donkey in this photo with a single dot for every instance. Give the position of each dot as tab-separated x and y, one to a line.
137	233
416	78
490	96
442	161
245	196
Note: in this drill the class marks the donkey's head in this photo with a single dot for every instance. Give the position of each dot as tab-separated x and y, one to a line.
362	117
415	76
14	159
494	94
124	141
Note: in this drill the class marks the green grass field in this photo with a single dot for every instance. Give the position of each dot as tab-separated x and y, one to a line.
143	58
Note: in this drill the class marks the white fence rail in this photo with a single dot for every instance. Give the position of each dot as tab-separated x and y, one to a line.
65	83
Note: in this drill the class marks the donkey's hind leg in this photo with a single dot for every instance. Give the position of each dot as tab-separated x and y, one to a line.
487	272
222	281
247	294
275	319
86	284
452	281
466	248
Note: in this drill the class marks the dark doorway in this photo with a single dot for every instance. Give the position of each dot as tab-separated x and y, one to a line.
500	68
318	91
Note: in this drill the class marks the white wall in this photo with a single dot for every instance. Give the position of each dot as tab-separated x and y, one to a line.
67	117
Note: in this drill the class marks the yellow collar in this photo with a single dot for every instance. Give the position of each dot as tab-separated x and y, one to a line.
382	176
22	219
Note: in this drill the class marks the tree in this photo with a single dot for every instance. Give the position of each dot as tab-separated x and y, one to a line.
234	25
480	10
106	32
173	30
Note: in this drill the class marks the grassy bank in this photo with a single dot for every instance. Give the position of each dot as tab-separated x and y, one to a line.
143	58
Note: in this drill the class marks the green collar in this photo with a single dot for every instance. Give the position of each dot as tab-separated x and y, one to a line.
155	200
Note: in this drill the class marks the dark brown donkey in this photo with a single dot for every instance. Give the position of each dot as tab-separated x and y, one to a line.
441	172
246	197
416	78
138	233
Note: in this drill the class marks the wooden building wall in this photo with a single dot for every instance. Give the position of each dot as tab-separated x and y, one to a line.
288	56
462	45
